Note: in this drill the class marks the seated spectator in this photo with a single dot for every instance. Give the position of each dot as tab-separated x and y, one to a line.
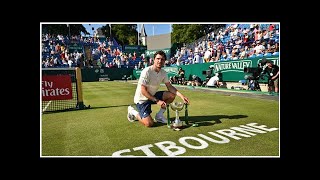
271	49
245	38
234	51
181	76
259	49
243	54
140	65
173	80
265	34
179	59
167	63
277	47
214	81
207	55
196	81
234	57
145	63
197	59
223	56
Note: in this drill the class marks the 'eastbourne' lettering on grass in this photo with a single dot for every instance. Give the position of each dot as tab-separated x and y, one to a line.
221	137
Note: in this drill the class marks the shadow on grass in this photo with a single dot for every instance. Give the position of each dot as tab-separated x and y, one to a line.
87	108
126	105
204	120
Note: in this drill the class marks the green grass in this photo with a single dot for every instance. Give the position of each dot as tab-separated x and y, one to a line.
104	129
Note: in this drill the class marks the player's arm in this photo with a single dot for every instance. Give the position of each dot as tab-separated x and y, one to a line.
173	90
145	92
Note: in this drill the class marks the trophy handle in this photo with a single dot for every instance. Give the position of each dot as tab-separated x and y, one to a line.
168	117
186	113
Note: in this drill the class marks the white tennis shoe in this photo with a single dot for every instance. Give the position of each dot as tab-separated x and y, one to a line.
130	116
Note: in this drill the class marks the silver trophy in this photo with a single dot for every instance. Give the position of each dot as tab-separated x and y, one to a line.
177	106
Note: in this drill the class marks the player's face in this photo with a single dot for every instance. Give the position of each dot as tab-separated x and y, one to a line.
159	61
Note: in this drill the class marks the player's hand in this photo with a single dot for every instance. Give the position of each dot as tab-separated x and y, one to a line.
185	100
162	104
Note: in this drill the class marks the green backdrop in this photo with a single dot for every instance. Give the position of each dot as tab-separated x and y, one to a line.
232	70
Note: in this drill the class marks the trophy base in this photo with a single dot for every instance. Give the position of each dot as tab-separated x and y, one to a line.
177	124
180	127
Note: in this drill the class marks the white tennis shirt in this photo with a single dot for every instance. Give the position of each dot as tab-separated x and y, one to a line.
212	81
152	80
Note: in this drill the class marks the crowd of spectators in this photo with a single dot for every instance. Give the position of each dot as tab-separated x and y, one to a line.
102	53
233	42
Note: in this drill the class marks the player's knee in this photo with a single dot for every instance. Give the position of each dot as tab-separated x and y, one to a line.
172	96
169	97
148	123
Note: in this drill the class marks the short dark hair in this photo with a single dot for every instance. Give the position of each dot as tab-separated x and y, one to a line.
160	53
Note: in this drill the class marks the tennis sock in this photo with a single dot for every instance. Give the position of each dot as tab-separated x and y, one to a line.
161	111
134	112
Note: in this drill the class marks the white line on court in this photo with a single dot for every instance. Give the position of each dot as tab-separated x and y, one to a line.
45	108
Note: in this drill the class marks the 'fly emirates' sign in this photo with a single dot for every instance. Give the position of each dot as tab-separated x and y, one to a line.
56	87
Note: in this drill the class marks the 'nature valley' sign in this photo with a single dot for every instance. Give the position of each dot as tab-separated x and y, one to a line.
231	66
